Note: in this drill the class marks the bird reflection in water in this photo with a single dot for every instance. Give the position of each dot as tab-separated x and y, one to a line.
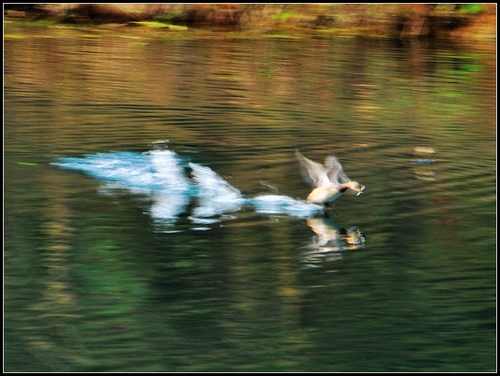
329	240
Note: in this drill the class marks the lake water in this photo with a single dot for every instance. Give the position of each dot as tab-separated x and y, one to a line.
155	217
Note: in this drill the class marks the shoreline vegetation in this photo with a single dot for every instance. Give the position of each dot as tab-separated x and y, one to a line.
469	22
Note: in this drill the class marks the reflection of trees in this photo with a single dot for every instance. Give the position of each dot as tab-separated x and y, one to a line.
49	318
174	73
105	301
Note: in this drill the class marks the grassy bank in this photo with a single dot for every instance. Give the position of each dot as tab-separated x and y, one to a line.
465	21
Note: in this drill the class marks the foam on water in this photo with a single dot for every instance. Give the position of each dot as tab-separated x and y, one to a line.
167	170
152	171
278	204
215	195
166	207
162	176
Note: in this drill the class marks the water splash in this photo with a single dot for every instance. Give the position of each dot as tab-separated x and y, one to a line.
278	204
150	171
215	195
162	176
166	168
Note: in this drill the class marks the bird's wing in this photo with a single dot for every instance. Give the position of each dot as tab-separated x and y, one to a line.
313	173
334	171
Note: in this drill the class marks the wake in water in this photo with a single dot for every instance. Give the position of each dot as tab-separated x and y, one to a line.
163	176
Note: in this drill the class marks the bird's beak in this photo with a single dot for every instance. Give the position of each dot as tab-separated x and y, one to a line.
361	189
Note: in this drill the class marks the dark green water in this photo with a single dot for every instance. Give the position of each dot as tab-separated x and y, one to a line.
94	283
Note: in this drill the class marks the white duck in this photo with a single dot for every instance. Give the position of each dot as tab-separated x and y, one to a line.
329	181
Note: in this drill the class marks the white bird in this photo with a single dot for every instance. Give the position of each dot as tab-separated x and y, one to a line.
329	181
